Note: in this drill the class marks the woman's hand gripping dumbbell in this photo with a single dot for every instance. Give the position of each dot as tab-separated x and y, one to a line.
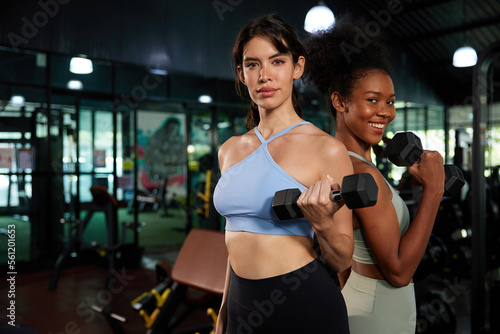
357	191
405	148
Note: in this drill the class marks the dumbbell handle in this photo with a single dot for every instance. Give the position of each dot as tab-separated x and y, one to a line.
336	196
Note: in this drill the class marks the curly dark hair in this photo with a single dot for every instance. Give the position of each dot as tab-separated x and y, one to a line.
338	57
284	39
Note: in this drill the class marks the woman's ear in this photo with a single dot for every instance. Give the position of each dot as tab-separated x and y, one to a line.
299	67
338	102
240	74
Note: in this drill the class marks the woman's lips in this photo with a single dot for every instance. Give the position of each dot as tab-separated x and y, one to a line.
267	92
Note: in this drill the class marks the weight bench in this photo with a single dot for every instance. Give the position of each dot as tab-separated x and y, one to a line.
198	276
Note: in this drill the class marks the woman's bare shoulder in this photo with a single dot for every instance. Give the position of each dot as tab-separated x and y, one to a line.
323	141
236	148
236	142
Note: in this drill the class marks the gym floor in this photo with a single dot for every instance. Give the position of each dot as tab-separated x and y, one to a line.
66	309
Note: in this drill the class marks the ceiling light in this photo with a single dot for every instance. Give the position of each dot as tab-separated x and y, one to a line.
17	100
80	65
158	71
75	84
318	18
205	99
464	57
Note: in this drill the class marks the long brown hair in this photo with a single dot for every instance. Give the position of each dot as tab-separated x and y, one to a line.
284	39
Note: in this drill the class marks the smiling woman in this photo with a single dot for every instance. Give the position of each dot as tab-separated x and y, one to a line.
378	288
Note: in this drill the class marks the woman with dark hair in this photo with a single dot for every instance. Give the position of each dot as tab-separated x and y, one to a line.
275	283
378	288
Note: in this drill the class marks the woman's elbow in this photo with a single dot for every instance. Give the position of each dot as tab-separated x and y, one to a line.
399	281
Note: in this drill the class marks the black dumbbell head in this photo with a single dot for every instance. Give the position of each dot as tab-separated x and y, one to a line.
404	149
454	180
285	204
359	190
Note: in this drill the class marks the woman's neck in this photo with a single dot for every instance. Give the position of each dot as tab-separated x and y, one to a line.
273	122
354	144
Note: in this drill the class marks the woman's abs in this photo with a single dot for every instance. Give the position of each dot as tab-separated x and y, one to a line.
257	256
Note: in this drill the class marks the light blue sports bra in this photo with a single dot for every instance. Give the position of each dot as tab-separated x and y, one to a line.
244	194
362	251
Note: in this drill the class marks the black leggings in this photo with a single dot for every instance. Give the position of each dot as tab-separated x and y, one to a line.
306	300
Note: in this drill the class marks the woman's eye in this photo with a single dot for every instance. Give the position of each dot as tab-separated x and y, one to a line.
372	100
391	102
278	61
249	65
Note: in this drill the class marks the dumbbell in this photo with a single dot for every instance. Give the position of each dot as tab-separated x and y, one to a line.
405	148
357	191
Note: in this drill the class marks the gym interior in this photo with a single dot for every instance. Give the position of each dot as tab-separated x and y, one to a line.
106	174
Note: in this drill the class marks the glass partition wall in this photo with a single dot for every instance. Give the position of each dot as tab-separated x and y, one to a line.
146	140
118	129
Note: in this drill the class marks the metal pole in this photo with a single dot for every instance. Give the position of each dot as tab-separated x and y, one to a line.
480	109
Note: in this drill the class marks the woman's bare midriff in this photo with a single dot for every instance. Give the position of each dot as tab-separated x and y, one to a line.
367	270
257	256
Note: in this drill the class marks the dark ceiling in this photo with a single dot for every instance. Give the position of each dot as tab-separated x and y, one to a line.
193	36
431	31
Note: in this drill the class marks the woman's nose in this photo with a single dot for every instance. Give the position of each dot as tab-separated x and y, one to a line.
264	75
385	111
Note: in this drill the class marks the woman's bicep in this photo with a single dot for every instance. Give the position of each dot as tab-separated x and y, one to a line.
339	167
381	228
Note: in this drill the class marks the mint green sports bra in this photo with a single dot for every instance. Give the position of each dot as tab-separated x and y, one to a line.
362	251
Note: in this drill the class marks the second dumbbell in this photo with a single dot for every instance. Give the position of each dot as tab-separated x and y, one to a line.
405	148
357	191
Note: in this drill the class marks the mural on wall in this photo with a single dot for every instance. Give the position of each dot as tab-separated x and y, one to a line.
162	153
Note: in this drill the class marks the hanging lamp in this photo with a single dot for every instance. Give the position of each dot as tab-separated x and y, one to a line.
319	18
80	65
465	56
